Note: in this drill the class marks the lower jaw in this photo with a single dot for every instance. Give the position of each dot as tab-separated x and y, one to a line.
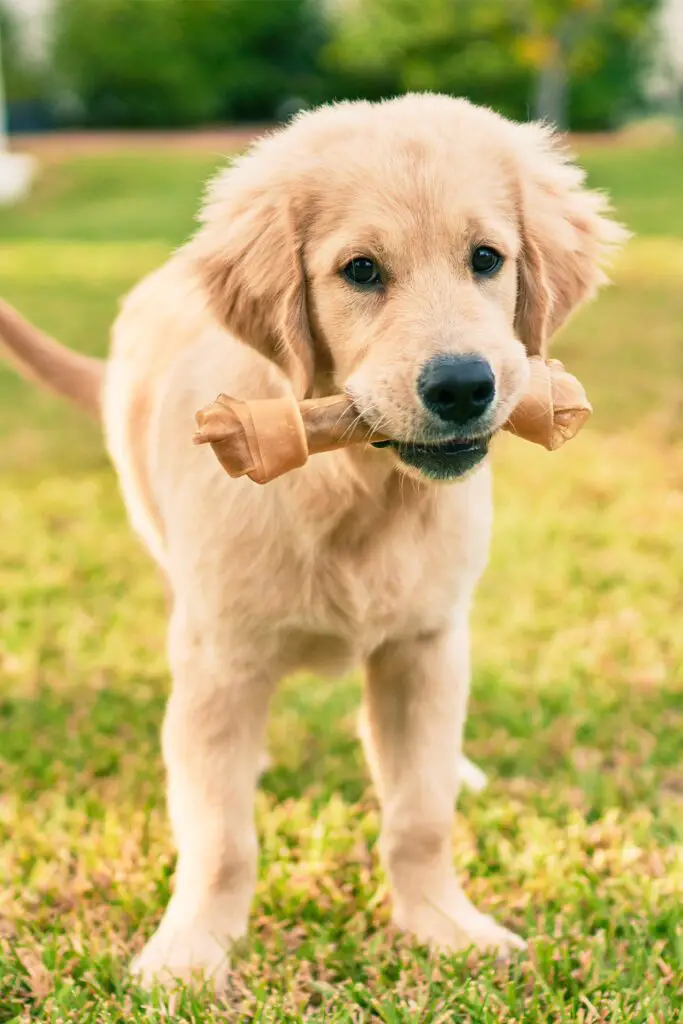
448	461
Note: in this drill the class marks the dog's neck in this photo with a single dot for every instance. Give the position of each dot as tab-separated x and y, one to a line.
357	493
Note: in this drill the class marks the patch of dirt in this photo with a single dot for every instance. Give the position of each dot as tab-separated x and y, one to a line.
55	146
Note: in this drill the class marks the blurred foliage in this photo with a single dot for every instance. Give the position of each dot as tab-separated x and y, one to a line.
502	52
165	63
604	47
179	62
464	48
23	80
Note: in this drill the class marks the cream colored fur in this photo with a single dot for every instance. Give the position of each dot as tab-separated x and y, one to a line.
350	560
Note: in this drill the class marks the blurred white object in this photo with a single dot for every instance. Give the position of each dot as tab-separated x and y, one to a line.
471	776
17	170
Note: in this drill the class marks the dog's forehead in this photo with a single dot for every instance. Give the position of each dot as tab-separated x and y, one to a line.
394	169
421	163
424	191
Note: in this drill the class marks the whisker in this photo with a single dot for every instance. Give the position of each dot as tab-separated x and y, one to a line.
376	427
352	426
353	423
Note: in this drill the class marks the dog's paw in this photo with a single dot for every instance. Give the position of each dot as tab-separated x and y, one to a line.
189	956
459	929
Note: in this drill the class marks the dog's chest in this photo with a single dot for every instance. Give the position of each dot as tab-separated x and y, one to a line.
393	572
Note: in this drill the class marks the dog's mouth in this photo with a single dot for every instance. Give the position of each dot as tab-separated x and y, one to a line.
445	460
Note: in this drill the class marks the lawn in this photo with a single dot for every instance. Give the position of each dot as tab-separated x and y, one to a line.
576	712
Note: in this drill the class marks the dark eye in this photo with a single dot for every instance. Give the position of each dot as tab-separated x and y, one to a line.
485	261
362	271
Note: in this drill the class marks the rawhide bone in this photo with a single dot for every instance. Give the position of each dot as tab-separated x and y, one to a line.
265	438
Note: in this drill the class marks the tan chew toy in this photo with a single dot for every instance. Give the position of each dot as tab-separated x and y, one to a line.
268	437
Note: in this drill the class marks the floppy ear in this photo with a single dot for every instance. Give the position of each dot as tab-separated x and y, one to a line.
249	259
567	235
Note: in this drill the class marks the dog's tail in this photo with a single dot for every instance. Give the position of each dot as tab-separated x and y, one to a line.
39	357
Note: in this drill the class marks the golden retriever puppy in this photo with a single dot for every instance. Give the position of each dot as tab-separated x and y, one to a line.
412	254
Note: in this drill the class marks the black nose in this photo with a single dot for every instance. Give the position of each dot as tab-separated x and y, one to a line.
457	389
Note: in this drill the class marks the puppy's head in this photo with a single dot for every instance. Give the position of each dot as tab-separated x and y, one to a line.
413	254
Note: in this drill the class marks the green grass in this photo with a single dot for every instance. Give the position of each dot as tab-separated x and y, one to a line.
577	706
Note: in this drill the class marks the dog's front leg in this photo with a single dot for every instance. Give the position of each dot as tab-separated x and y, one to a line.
414	710
213	741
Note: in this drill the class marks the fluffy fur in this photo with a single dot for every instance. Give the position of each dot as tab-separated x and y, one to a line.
352	559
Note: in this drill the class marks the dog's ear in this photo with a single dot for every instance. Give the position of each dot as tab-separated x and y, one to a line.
248	253
567	234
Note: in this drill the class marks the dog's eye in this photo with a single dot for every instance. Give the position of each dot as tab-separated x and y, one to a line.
485	261
363	272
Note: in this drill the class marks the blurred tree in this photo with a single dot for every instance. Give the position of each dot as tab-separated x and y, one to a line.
665	79
126	63
24	80
574	62
587	56
258	53
174	62
177	62
463	47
